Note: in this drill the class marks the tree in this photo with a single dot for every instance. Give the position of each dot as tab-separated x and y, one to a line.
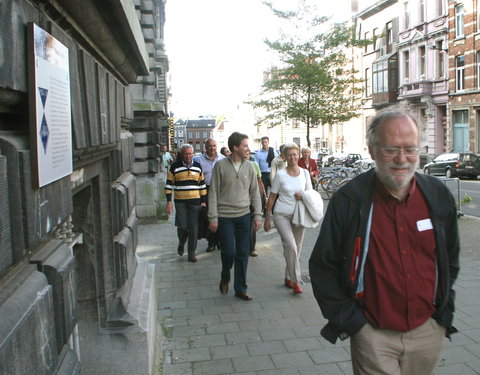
313	84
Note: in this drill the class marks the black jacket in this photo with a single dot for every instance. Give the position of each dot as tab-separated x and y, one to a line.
343	230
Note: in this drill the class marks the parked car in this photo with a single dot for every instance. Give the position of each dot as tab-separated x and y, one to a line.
321	159
351	159
365	163
455	164
335	159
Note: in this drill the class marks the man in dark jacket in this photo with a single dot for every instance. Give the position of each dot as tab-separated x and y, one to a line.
386	258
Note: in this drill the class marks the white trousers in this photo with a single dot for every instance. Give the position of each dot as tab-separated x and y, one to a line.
292	240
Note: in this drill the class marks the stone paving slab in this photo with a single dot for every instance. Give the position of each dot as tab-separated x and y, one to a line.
277	332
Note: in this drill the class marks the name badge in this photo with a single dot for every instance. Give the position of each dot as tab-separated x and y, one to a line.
424	224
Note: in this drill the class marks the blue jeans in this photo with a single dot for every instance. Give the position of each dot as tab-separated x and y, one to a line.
233	233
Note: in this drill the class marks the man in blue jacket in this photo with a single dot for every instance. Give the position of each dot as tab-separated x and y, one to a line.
386	258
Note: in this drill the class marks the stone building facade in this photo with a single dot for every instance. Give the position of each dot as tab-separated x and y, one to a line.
150	127
67	249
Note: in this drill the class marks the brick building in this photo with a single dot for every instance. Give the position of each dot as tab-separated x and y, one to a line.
464	75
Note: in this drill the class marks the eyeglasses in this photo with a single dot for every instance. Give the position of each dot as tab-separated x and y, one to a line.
395	151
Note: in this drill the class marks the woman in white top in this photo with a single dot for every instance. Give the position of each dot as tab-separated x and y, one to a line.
288	185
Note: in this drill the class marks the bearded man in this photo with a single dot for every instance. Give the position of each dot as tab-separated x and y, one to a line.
385	261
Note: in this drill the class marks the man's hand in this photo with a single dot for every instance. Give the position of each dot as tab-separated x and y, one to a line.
258	224
169	207
213	227
203	204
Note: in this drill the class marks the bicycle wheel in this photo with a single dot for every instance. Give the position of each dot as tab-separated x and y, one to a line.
344	182
323	182
333	185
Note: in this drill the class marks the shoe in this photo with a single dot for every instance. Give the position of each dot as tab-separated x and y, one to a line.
192	259
253	253
210	248
244	296
180	250
288	284
297	289
223	287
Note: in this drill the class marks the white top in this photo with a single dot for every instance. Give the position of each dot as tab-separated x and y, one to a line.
286	186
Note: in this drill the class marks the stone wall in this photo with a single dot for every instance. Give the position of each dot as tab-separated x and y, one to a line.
70	244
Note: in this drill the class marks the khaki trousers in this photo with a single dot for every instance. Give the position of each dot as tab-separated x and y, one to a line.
292	239
387	352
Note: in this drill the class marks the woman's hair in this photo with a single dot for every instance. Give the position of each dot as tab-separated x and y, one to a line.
288	147
223	150
305	149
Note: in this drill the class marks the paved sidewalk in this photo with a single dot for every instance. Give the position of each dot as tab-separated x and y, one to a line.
277	332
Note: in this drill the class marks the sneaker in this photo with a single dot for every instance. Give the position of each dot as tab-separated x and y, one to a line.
253	253
192	259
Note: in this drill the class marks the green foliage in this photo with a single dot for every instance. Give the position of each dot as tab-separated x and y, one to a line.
466	199
315	83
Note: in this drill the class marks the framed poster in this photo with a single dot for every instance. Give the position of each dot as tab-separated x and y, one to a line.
49	106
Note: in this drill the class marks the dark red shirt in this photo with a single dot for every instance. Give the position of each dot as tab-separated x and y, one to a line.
400	270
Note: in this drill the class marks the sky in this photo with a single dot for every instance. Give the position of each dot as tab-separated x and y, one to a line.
217	53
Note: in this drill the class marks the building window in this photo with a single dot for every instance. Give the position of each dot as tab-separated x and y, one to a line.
460	72
190	135
422	62
440	59
389	33
440	7
421	11
478	68
406	15
205	135
368	82
197	146
376	41
478	16
459	21
406	65
197	134
380	76
296	140
180	133
478	131
366	37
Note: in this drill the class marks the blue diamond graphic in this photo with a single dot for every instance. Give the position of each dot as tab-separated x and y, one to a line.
44	133
43	95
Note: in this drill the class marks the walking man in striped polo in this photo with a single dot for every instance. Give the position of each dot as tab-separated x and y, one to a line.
185	177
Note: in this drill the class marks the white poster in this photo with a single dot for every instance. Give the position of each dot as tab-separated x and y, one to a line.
52	108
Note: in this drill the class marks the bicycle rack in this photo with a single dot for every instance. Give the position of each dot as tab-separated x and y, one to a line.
446	180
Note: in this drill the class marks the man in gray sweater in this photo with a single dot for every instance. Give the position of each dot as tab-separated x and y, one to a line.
233	189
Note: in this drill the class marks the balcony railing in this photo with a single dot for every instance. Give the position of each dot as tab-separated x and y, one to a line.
415	89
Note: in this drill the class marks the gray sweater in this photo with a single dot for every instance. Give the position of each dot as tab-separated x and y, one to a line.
231	193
